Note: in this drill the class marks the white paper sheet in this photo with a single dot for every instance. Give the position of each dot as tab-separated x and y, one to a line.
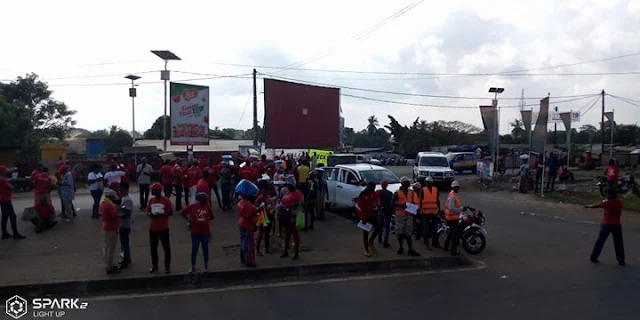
412	208
365	226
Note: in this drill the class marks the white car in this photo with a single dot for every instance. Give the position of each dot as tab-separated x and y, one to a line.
365	158
435	165
343	182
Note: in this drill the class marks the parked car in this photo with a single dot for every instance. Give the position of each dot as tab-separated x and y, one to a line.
462	161
433	164
365	158
344	182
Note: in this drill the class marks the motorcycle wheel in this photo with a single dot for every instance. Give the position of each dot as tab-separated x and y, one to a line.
442	237
474	242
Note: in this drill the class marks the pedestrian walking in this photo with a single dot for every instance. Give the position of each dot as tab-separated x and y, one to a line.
114	174
177	179
429	208
110	226
265	196
452	212
322	190
404	220
144	172
6	206
310	202
291	202
226	177
385	211
213	180
611	224
366	209
126	222
166	177
194	173
67	193
199	215
247	218
96	186
159	209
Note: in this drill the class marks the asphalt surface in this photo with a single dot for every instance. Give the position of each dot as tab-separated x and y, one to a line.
537	267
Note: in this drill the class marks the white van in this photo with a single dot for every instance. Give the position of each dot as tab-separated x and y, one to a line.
435	165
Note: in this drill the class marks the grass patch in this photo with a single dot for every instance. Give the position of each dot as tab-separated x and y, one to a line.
590	196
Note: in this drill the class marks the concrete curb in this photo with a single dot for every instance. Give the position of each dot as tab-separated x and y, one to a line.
81	288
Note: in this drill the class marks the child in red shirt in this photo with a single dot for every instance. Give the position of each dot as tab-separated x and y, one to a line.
199	214
610	224
45	218
159	209
264	198
8	213
247	218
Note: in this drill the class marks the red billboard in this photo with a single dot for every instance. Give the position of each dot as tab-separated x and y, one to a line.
300	116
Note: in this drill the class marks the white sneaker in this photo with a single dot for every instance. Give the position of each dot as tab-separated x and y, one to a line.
191	270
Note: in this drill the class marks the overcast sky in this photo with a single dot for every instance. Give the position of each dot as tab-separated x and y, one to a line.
83	43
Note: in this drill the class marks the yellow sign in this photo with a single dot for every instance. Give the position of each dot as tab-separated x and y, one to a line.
321	155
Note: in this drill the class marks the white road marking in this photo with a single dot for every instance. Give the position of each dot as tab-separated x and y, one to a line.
533	214
479	266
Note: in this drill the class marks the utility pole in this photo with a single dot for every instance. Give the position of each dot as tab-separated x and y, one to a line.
255	109
555	129
602	128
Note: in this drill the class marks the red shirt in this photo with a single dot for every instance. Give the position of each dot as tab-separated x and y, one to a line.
292	198
612	173
42	183
193	174
166	176
185	181
176	174
213	174
203	187
250	173
45	211
5	190
261	166
34	174
109	213
365	204
159	206
199	215
246	214
612	211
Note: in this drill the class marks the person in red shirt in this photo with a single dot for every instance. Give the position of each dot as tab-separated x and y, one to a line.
177	180
250	171
6	206
45	218
262	163
213	180
612	172
42	186
202	186
264	198
193	175
611	224
367	211
185	182
291	202
34	174
159	210
199	215
247	218
110	226
166	177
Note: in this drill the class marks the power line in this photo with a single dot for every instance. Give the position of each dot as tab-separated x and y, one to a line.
244	109
586	105
416	94
625	100
449	74
90	76
353	38
445	106
241	76
590	107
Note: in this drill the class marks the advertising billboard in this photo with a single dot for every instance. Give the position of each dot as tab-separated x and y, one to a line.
301	116
189	114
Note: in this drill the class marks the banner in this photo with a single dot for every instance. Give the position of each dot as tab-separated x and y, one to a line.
526	120
189	114
554	117
489	116
484	170
539	136
322	156
609	115
566	120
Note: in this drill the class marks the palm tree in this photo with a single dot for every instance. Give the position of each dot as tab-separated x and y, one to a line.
517	131
372	127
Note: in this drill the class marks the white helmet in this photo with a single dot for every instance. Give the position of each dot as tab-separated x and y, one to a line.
455	183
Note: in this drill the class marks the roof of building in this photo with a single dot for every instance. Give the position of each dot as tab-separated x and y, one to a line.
214	145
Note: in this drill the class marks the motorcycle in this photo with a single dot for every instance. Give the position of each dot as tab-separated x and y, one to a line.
473	234
625	183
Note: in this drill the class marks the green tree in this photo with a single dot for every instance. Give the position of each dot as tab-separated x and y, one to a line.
372	126
155	132
115	138
14	125
50	120
249	134
518	131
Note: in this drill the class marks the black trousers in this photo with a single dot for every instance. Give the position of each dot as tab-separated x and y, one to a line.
168	190
8	213
214	187
144	195
375	230
226	194
178	188
605	230
453	238
156	237
551	180
430	229
186	196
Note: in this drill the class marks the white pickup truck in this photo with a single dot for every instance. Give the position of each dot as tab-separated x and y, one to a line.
343	182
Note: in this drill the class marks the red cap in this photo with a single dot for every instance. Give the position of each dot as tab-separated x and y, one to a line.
384	183
156	187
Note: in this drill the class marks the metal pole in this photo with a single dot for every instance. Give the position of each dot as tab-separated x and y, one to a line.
496	137
164	119
602	128
255	109
612	124
544	151
133	114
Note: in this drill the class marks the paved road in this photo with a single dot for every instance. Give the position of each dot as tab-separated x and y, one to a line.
537	267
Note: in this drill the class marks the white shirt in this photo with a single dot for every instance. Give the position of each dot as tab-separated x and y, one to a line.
96	185
142	177
114	176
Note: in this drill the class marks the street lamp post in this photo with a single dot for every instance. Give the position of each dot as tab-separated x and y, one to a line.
132	94
165	76
496	138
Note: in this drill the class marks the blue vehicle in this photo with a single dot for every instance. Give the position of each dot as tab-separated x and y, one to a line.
462	161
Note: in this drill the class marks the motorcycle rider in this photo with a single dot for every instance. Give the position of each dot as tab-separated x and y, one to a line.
452	212
404	220
429	208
